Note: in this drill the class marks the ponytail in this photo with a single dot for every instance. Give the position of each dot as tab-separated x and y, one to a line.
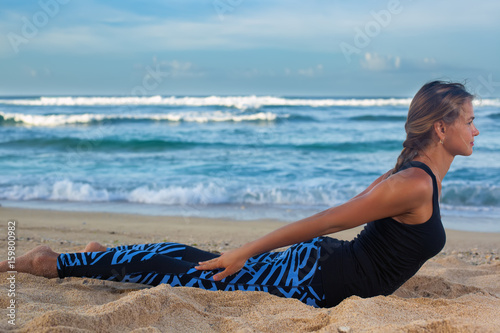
407	155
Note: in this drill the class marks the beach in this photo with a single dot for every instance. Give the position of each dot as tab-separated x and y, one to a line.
456	291
212	124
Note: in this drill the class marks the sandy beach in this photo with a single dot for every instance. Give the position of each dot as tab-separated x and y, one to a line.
456	291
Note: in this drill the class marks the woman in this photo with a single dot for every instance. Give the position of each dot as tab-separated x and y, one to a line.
401	210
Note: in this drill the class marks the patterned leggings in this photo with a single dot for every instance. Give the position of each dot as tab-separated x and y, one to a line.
294	273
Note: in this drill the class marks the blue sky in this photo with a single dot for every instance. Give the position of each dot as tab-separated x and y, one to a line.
233	47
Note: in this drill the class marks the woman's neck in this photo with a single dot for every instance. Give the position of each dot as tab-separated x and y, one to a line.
436	159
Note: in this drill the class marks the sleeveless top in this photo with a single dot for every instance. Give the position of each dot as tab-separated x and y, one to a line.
384	255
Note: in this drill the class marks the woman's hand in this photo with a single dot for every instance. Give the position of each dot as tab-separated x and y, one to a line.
231	261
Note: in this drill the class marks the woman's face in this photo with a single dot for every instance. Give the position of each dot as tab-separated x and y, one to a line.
459	138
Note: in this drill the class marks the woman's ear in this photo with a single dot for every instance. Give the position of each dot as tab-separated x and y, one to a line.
440	129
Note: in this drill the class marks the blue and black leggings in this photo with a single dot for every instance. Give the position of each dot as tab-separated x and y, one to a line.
294	273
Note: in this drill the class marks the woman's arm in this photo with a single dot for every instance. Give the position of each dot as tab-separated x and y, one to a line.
393	196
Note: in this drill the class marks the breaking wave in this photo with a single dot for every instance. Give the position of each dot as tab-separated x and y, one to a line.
239	102
89	118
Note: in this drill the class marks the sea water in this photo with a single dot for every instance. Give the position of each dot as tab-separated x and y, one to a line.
239	157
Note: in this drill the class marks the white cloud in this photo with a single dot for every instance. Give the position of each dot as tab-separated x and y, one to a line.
42	72
172	68
375	62
311	71
181	69
430	61
251	73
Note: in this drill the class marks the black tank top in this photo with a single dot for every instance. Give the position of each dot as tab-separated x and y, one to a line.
383	256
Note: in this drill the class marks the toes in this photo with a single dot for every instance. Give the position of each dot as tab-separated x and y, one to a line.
94	247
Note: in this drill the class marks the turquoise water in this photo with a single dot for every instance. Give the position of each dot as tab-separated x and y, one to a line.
240	157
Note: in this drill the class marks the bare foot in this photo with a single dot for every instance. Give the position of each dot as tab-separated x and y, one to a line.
41	261
94	247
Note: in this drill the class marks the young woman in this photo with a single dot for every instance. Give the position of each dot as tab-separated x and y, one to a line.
401	209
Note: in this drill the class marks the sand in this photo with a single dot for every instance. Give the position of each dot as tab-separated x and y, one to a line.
456	291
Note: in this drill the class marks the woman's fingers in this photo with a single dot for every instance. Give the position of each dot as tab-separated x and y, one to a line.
214	264
208	265
229	262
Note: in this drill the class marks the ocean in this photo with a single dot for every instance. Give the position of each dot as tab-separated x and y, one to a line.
238	157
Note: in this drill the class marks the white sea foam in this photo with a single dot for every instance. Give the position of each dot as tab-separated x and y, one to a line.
199	117
211	193
487	102
63	190
179	195
216	193
51	120
66	190
239	102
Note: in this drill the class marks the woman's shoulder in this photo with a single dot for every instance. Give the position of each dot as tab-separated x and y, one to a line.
415	180
403	193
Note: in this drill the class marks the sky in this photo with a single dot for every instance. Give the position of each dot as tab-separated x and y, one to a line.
247	47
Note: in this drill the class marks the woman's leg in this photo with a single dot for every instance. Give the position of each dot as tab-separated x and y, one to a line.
292	273
141	263
42	261
174	250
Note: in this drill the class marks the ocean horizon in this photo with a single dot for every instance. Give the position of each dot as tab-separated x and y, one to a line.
237	157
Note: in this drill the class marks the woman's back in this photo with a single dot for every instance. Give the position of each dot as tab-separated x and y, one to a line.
383	256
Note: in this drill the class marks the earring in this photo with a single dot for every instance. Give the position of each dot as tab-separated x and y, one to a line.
441	141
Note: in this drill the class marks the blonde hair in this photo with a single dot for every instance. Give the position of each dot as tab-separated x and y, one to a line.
435	101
